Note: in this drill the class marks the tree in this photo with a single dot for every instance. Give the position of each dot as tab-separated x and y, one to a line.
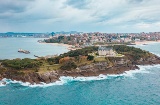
69	65
90	57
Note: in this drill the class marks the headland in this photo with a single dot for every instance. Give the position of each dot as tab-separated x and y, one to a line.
85	62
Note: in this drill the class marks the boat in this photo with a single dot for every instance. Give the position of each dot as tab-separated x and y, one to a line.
23	51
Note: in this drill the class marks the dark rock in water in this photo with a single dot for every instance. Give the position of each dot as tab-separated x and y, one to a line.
4	83
1	77
23	51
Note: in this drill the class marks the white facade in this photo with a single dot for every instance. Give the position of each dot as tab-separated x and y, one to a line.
106	51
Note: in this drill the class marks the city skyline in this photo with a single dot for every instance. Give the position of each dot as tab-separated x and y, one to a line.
80	15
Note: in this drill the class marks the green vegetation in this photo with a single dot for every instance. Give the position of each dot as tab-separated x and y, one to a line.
69	65
47	67
76	54
131	52
60	39
90	57
100	59
22	63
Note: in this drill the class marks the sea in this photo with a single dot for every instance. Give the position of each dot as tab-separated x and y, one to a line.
9	48
134	87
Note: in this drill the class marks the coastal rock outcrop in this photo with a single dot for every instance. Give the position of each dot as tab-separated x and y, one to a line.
93	69
32	77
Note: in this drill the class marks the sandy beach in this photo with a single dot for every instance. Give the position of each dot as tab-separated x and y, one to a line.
146	42
69	47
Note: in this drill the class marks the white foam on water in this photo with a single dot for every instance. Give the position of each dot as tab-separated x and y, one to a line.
148	66
27	84
131	73
67	79
2	84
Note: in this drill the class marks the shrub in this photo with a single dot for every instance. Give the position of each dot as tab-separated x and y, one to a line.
69	65
90	57
66	59
22	63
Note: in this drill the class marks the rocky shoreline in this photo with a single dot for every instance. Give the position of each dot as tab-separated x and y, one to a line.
93	69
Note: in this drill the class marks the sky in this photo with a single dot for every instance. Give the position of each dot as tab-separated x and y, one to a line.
80	15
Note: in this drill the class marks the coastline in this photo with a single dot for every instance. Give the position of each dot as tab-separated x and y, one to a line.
69	47
94	69
119	66
66	79
54	76
146	42
58	44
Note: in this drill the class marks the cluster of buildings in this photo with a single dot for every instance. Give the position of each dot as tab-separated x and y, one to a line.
24	35
35	35
88	39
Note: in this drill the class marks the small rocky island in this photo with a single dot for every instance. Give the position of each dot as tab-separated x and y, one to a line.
23	51
89	61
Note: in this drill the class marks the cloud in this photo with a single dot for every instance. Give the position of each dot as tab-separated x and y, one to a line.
143	25
80	15
136	1
80	4
15	6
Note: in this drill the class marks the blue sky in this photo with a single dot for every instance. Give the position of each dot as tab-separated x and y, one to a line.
80	15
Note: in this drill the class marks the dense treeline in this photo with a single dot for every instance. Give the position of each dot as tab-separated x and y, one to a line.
59	39
135	53
22	63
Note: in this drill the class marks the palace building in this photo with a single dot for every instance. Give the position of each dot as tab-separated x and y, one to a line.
106	51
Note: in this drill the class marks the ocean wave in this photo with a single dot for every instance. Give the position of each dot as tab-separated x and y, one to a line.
2	84
5	82
67	79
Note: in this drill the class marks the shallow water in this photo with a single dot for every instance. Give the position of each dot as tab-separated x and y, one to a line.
135	87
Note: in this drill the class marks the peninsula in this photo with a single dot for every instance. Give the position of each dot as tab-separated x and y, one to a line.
88	61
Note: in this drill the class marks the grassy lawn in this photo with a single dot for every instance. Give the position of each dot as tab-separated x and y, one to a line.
100	59
83	62
119	55
46	67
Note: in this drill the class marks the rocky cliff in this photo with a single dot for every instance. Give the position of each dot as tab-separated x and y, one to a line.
94	69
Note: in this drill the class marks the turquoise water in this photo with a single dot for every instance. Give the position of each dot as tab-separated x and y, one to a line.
137	87
9	48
